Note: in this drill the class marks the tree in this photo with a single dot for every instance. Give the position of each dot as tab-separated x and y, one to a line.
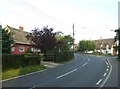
7	41
68	42
64	42
118	38
43	39
91	45
86	45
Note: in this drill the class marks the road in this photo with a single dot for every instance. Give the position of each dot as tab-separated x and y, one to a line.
84	71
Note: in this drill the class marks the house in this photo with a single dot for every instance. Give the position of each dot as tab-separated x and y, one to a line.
21	44
105	46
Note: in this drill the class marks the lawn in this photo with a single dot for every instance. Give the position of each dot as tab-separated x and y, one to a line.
21	71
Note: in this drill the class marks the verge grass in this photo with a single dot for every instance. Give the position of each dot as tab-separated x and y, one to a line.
21	71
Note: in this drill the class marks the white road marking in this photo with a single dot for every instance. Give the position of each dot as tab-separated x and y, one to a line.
32	87
98	82
104	74
108	66
65	74
107	70
107	63
107	75
85	64
88	59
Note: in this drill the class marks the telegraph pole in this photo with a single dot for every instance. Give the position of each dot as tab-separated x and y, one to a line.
73	38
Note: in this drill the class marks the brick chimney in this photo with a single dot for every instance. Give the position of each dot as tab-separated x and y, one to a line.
21	28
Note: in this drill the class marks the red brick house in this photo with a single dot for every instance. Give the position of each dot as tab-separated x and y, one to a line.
21	44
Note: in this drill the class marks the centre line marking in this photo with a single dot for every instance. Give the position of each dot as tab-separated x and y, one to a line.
66	74
106	63
98	82
108	66
32	87
107	70
88	59
85	64
104	74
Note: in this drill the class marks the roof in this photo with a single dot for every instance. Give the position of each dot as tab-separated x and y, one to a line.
19	35
104	43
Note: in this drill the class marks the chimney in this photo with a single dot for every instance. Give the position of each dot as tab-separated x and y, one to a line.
21	28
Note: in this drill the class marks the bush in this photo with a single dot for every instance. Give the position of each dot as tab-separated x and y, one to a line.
15	61
63	56
48	57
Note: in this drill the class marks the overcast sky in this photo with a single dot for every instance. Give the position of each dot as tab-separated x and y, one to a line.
92	18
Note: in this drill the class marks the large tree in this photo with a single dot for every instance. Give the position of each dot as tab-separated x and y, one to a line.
65	42
86	45
43	39
7	41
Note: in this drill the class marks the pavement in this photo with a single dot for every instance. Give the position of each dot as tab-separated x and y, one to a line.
113	80
50	64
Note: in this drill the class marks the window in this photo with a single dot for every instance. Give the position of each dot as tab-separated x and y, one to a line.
13	49
21	49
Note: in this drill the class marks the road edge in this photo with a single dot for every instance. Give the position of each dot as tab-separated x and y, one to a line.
102	85
22	76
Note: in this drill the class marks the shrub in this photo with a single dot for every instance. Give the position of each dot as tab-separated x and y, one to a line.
63	56
15	61
49	57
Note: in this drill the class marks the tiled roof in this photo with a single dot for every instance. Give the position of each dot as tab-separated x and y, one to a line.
104	43
19	35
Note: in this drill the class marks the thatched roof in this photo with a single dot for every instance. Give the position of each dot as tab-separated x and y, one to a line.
19	35
104	43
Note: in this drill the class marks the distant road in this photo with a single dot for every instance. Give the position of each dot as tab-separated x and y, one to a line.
84	71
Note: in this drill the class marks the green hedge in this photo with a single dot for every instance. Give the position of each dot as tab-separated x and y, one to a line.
48	57
63	56
15	61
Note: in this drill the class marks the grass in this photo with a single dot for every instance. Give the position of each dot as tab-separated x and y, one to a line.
21	71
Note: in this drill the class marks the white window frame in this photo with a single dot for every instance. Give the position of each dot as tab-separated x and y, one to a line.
21	47
13	49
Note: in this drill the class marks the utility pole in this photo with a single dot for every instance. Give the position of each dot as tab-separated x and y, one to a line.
73	38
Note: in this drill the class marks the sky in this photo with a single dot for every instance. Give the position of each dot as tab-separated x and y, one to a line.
92	19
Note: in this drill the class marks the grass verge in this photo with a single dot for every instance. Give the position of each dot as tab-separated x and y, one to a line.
21	71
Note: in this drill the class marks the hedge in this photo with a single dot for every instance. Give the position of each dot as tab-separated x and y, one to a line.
15	61
48	57
63	56
58	56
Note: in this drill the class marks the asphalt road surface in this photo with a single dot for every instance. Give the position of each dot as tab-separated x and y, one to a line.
84	71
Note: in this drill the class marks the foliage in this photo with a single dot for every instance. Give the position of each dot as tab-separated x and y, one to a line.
63	56
118	38
43	39
86	45
7	41
65	42
48	57
15	61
